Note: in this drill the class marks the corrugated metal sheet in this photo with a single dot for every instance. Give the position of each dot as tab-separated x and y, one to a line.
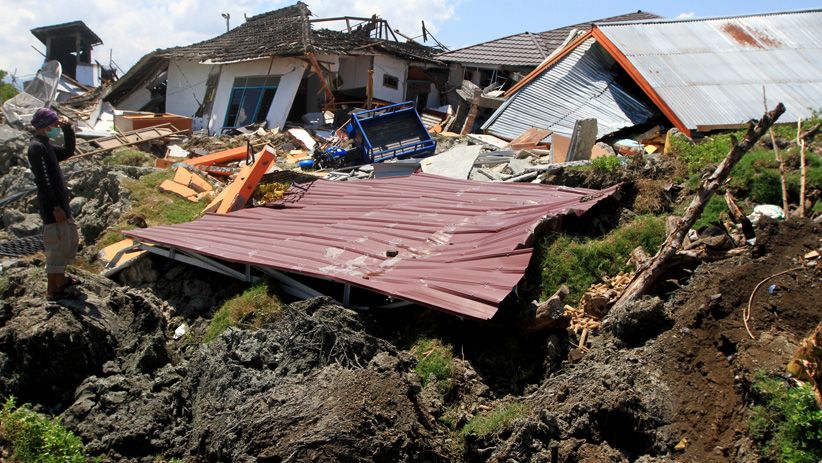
463	246
526	49
578	86
710	72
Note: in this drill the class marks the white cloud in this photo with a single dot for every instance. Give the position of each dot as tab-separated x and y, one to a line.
133	29
688	15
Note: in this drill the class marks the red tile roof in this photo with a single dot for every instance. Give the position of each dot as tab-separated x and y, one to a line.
462	246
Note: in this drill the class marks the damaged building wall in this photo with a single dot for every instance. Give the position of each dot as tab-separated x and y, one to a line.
290	72
186	86
353	71
388	71
136	100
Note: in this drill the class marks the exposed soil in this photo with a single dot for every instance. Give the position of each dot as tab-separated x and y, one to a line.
689	381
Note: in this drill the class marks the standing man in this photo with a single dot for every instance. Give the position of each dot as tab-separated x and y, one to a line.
60	236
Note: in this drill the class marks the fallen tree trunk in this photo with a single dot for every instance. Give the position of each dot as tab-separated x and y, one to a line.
646	277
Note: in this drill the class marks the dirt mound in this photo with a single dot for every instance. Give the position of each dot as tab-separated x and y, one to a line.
46	350
687	384
313	386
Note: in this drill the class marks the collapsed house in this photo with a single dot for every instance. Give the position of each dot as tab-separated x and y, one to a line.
696	75
276	67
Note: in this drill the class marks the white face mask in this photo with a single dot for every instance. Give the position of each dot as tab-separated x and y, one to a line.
53	132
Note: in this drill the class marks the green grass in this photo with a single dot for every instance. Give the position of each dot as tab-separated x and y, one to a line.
605	164
492	422
129	157
35	438
434	358
580	262
252	309
158	207
786	421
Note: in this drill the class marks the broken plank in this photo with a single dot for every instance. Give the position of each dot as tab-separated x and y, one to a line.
240	190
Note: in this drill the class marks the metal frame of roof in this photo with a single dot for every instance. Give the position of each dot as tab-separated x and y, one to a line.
452	245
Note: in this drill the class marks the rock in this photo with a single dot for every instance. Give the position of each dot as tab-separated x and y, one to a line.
312	386
14	145
639	322
22	224
46	351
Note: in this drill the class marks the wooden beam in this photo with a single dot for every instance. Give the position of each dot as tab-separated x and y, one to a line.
647	277
318	70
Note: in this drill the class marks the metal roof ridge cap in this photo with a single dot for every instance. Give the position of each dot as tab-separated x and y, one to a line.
637	76
542	67
709	18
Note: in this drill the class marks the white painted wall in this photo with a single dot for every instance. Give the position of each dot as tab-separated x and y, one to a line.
384	64
88	74
186	86
136	100
290	71
354	71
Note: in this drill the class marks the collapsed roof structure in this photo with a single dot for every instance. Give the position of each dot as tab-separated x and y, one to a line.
701	74
454	245
272	61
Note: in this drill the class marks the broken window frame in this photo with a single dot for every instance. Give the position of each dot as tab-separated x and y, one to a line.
239	91
389	81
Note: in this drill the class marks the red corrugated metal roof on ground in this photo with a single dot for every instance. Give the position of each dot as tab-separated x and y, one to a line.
462	246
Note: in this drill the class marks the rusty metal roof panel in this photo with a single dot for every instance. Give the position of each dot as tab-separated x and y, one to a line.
580	85
463	246
711	72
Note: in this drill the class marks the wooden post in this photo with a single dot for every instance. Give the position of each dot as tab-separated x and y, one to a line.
472	114
369	90
645	278
802	139
782	175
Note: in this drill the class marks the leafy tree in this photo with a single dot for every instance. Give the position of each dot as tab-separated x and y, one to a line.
6	90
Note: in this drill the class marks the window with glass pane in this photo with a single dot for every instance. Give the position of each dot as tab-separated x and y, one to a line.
250	100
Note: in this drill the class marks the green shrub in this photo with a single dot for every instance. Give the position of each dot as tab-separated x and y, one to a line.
786	420
252	309
434	358
697	156
6	90
605	164
581	262
492	422
714	211
34	438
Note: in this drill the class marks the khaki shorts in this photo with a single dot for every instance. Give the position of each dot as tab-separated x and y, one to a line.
60	241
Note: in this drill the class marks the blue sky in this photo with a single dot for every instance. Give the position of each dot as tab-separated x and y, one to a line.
131	29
